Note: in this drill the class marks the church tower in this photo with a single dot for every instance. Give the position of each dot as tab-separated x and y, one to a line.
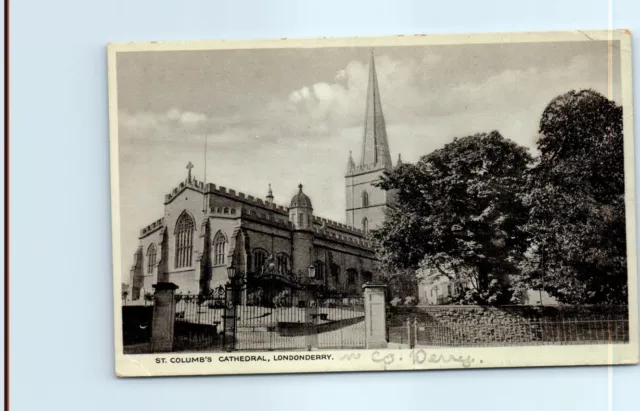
366	204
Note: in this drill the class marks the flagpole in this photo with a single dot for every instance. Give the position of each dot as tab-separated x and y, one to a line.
204	196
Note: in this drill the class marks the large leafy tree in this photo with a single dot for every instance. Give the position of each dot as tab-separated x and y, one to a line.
459	214
576	195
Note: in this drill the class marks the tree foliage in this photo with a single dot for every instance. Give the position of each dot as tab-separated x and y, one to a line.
576	199
482	213
459	214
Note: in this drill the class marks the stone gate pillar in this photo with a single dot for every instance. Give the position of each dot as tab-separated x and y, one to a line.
164	316
230	318
375	316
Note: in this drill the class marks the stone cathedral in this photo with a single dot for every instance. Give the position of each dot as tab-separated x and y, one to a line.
207	228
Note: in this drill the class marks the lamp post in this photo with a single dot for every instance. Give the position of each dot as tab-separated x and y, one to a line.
231	272
311	283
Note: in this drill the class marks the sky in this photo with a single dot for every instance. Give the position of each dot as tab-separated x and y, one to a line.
290	116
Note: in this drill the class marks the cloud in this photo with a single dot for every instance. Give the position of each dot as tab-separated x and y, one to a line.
512	89
311	111
413	100
172	117
342	103
138	120
192	118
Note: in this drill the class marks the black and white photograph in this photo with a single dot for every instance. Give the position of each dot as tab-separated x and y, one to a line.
363	204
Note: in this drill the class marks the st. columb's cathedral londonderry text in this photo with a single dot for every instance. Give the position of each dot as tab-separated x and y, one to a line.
207	228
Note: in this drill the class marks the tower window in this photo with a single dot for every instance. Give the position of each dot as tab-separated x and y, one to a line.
319	266
351	276
259	258
365	225
219	248
300	221
151	258
335	271
184	240
365	199
283	263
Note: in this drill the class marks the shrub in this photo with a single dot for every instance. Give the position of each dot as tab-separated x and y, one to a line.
282	299
411	301
255	298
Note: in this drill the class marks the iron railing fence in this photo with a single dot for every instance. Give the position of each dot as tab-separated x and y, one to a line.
266	321
525	311
263	316
199	322
340	323
533	333
293	320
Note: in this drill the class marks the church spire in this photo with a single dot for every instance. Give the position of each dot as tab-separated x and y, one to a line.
375	147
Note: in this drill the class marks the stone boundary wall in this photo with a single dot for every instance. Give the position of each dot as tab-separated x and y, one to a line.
485	326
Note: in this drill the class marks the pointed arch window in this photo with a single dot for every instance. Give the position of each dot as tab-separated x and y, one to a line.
335	271
152	252
259	258
365	199
365	225
282	261
185	227
351	276
219	248
319	266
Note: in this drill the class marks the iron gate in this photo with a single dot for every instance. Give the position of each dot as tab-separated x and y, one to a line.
271	317
268	316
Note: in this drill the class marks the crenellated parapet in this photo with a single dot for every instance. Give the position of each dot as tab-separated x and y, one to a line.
273	214
338	226
187	183
244	198
365	168
267	218
211	188
346	239
152	227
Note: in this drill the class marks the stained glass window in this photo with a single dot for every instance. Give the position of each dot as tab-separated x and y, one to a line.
184	240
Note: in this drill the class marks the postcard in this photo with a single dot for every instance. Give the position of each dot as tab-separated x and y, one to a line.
373	203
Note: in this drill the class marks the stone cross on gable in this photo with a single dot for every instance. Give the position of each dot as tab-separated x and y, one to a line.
189	167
